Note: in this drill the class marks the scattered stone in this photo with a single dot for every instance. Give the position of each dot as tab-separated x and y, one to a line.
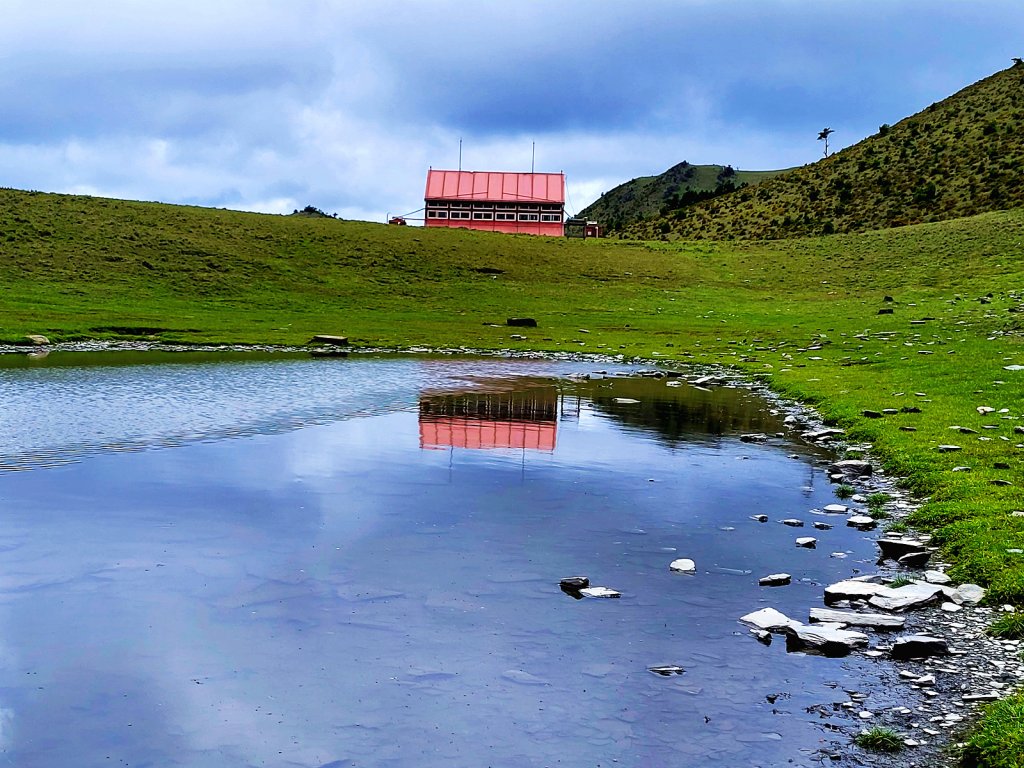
760	518
835	509
826	639
984	409
521	322
823	526
754	438
974	697
683	565
599	592
323	338
914	559
936	577
894	549
853	589
871	414
948	448
907	597
769	620
1000	465
852	467
851	618
808	542
1000	482
968	594
951	607
818	435
908	429
625	400
37	339
918	647
775	580
961	469
793	523
861	522
574	582
667	670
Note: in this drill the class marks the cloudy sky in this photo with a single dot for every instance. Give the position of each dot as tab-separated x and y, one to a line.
270	105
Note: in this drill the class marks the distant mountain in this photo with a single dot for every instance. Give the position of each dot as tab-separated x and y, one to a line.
959	157
681	185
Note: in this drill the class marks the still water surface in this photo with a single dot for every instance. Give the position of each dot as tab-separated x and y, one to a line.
251	561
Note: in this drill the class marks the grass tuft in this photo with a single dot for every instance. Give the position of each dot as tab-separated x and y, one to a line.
844	491
1009	626
879	739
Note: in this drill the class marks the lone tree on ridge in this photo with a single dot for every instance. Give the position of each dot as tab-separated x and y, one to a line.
823	136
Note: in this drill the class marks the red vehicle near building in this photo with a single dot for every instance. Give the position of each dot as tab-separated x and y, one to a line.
528	203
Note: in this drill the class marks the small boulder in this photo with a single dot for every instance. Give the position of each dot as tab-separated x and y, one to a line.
852	467
826	639
769	619
914	559
683	565
793	523
760	518
754	438
868	414
775	580
822	526
574	582
861	522
851	618
807	542
918	647
967	594
936	577
37	339
521	322
948	448
835	509
894	549
907	597
323	338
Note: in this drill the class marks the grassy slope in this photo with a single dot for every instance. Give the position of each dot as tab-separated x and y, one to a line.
644	197
802	312
959	157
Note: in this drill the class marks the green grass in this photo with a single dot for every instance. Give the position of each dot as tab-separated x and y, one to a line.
1009	626
900	581
800	315
998	742
844	491
879	739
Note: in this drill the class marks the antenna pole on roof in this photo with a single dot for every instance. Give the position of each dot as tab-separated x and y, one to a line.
533	157
460	153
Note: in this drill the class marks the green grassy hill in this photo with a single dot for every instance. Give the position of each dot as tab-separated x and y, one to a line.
802	315
650	196
959	157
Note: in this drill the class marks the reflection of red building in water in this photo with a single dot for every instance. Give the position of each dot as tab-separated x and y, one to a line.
530	203
525	419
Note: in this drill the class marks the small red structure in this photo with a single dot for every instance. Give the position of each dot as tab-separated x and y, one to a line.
530	203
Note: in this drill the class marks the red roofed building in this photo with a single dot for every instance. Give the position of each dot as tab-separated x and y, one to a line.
530	203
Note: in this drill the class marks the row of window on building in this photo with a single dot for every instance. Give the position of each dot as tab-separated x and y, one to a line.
484	212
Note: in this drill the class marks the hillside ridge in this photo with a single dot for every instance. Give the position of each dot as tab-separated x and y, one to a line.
957	157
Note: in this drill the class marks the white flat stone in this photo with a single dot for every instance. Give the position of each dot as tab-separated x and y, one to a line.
936	577
853	589
907	597
851	618
809	542
775	580
599	592
769	619
968	594
683	565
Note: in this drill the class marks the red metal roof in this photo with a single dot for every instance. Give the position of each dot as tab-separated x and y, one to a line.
455	432
496	186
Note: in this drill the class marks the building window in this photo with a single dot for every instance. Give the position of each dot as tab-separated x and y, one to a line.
483	216
527	216
550	217
503	216
460	214
437	214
